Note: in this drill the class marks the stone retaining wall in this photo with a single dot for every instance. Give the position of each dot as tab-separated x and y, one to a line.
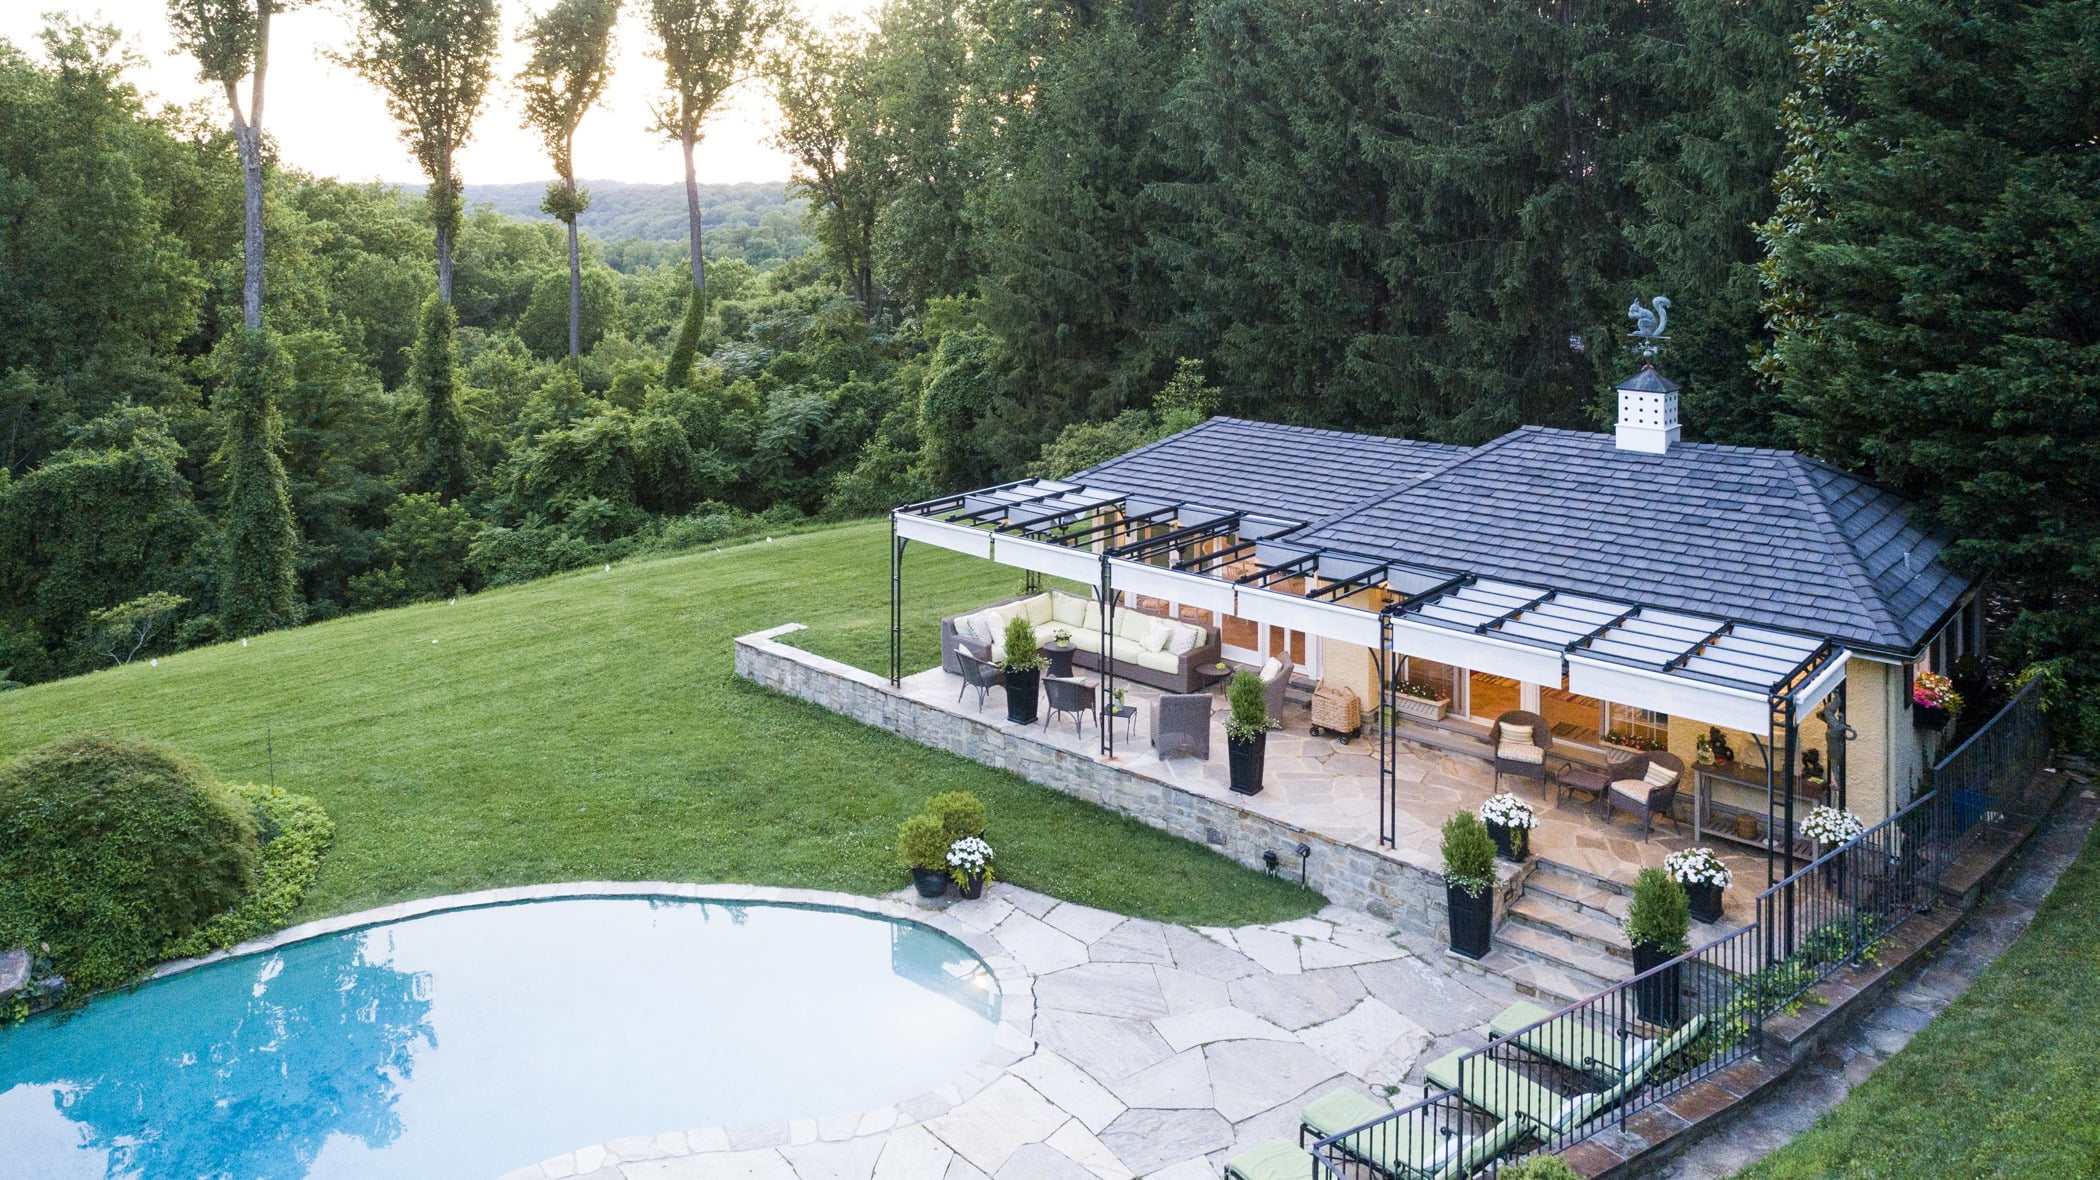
1378	882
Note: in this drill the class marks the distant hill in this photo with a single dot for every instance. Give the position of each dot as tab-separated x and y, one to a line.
759	223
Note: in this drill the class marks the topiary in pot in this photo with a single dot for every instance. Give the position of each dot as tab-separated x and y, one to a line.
1469	879
1657	921
1247	728
961	813
1023	664
922	847
110	850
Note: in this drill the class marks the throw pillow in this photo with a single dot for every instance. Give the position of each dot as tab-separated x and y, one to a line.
1069	609
1185	639
1156	635
1271	670
1659	775
1036	609
1516	735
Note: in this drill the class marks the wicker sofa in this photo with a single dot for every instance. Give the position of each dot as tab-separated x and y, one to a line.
1131	653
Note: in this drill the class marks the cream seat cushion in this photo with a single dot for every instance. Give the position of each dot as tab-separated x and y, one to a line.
1524	752
1036	607
1633	790
1069	609
1087	640
1158	661
1092	619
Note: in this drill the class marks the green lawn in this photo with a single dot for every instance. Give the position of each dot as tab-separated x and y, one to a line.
2005	1082
589	727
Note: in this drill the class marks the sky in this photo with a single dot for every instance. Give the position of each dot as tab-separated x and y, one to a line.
327	121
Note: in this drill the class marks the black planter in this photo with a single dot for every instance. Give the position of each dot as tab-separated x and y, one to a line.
1658	998
1928	717
1245	760
1706	902
1023	690
972	887
1472	920
1513	844
930	882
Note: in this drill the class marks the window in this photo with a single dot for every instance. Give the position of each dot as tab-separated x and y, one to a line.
1630	721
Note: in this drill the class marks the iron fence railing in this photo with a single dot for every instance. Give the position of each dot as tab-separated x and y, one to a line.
1564	1076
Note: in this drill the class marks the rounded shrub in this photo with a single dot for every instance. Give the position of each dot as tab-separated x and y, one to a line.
1469	854
960	814
1660	914
922	843
1538	1167
110	850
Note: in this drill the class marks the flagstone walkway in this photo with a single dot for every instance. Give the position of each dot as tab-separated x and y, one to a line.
1158	1051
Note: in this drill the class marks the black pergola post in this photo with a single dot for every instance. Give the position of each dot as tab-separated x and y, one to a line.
1388	805
1102	717
897	545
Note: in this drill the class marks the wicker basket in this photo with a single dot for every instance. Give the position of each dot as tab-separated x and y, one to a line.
1335	709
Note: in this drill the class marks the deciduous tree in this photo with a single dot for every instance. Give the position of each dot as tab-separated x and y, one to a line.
571	62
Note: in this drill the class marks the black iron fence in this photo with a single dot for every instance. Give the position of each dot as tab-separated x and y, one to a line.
1552	1079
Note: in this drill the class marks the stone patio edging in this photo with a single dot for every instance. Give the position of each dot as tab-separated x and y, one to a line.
1389	884
1011	1042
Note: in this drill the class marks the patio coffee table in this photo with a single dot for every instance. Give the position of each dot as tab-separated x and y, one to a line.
1060	657
1589	782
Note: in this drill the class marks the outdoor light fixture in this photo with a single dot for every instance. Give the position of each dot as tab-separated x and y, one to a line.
1271	860
1304	857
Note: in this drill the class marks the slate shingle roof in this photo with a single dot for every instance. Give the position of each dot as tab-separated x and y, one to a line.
1757	536
1295	472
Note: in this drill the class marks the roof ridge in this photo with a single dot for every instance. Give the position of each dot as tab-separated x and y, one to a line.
1456	461
1155	444
1854	564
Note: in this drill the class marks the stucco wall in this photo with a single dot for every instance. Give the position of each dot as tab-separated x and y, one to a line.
1381	882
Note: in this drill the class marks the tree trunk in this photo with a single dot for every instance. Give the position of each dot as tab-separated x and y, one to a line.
444	251
692	216
575	283
249	142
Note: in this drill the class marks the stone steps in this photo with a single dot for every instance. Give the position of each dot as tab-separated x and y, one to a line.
1551	985
1602	899
1584	927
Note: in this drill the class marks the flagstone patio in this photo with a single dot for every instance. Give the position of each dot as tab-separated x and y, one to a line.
1156	1050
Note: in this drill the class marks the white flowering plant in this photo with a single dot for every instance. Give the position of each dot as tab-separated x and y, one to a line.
1698	866
969	857
1508	811
1832	826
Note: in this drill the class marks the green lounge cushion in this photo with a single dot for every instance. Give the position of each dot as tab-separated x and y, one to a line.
1339	1110
1278	1159
1577	1040
1497	1089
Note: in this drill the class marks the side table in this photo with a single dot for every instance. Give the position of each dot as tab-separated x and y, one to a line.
1060	657
1589	782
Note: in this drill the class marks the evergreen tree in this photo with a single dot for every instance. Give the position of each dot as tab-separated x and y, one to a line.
257	589
441	466
1932	264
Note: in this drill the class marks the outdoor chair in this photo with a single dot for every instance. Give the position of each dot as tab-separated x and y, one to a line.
1068	695
1278	1159
1407	1151
979	674
1521	740
1646	786
1181	725
1274	685
1591	1043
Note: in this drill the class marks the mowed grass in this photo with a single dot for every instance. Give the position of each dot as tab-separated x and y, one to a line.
2004	1083
590	727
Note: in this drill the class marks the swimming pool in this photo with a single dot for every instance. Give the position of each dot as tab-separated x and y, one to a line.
473	1041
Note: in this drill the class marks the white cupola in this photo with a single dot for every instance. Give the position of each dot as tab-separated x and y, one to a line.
1648	413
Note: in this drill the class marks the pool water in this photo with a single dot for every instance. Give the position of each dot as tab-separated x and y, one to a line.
471	1042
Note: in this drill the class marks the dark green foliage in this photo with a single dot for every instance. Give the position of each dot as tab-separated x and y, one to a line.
1945	334
110	850
679	368
959	812
1249	717
292	834
1538	1167
1659	915
922	842
1469	854
257	589
441	465
1021	652
421	555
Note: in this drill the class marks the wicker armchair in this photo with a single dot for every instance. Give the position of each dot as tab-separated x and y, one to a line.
1068	695
1632	793
1273	687
1516	757
1181	725
979	674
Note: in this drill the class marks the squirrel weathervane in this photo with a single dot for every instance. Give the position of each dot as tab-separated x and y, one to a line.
1648	326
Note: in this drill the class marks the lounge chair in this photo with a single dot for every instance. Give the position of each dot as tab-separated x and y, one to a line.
1584	1041
1505	1093
1636	791
1521	741
1409	1151
1278	1159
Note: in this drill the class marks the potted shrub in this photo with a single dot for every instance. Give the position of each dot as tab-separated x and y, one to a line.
1023	665
1416	699
1247	729
1934	703
1830	828
1704	876
1509	822
1469	881
970	863
1656	924
922	847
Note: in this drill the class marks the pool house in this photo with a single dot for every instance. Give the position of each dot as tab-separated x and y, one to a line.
1755	615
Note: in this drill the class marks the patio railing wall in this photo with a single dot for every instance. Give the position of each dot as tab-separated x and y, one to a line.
1602	1060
